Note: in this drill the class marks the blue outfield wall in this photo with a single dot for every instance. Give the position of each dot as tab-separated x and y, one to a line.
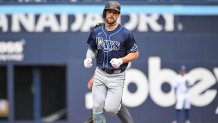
165	41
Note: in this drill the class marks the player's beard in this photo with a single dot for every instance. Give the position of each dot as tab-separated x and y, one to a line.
111	21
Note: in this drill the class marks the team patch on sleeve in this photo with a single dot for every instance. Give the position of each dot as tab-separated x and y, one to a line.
134	48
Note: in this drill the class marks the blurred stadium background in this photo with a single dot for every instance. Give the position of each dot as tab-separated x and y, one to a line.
42	47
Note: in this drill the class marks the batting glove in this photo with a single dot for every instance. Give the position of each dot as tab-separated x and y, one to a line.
88	62
116	62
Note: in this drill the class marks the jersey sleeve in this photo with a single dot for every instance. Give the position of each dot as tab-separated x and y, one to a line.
91	42
131	43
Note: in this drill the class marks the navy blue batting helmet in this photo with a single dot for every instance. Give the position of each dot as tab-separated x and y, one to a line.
111	5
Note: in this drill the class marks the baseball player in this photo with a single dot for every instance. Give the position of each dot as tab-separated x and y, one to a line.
123	113
113	47
182	84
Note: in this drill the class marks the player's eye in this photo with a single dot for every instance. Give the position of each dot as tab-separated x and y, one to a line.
112	12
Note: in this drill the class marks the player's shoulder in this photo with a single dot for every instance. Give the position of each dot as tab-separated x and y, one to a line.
96	29
98	26
177	77
187	76
125	30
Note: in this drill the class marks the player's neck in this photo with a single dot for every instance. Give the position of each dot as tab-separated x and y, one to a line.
111	27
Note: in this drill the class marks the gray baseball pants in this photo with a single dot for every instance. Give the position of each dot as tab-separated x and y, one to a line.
107	91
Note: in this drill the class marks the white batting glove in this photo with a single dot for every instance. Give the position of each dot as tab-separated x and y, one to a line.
88	62
116	62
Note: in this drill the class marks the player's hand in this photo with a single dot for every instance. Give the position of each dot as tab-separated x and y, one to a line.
116	62
88	63
90	83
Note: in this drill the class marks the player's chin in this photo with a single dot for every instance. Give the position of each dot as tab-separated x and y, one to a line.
111	21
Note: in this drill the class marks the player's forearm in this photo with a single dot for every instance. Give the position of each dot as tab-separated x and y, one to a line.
130	57
90	54
88	60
